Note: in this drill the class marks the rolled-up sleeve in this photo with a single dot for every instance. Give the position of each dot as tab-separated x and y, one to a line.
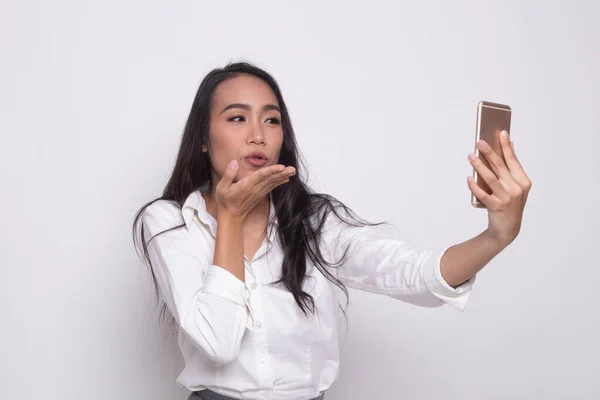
378	260
456	297
222	283
208	302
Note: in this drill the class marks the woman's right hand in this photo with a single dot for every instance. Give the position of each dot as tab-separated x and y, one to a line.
237	199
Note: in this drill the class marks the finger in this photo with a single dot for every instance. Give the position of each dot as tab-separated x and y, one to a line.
508	150
228	176
275	180
250	182
485	173
514	166
481	195
268	189
263	174
497	165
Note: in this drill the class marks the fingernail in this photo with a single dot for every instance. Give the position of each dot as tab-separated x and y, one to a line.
504	134
472	156
233	164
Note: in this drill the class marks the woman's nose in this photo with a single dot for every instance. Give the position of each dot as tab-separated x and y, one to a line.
255	135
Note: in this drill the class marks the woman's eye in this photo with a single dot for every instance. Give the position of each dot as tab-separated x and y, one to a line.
274	121
237	118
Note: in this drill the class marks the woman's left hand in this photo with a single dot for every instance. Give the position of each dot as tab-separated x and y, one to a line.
510	187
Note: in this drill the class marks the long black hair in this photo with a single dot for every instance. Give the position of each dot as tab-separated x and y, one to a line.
301	213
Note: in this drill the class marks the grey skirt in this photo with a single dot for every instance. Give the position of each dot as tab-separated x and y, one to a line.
210	395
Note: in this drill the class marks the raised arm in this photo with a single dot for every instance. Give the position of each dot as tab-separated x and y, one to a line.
378	260
207	301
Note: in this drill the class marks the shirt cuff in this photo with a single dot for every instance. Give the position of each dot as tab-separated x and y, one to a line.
222	283
456	297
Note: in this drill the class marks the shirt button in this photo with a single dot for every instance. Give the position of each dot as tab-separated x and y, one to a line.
253	286
258	325
263	361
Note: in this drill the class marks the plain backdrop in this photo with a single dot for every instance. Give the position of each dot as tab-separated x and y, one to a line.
383	96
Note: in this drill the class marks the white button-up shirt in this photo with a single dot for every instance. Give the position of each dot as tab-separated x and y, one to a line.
250	340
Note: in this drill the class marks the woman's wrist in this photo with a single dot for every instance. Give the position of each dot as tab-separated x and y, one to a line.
228	218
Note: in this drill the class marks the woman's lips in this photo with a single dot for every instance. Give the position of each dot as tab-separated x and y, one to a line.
256	162
256	159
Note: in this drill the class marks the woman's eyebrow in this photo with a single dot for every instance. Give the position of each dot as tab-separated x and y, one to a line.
269	107
247	107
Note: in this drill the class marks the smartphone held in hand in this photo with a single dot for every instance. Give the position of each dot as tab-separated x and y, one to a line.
492	118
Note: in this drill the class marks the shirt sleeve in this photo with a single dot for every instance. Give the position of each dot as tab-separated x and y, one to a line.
208	302
378	260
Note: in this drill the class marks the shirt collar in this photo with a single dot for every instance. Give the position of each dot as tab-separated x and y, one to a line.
196	206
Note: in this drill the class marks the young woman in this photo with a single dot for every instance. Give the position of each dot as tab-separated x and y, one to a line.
249	262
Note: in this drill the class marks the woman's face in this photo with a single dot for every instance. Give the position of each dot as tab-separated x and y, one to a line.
245	119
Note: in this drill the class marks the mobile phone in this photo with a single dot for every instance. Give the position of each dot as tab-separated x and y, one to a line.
492	118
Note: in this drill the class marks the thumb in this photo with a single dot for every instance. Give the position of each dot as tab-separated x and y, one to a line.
229	175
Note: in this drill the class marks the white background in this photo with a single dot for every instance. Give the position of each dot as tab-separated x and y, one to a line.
383	95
